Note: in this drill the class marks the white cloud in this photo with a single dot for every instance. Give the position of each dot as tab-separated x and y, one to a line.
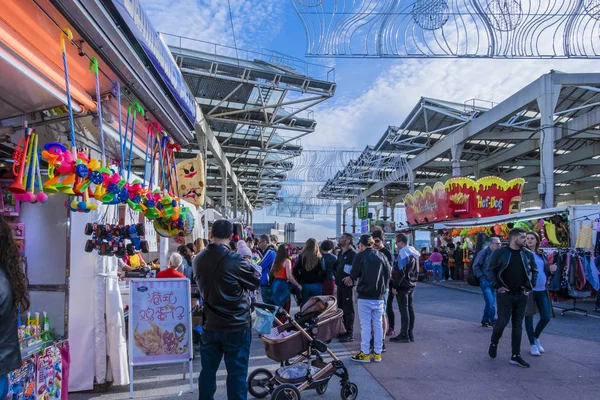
358	119
255	22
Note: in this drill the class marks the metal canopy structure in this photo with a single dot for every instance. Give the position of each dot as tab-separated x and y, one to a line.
257	105
373	165
548	133
451	28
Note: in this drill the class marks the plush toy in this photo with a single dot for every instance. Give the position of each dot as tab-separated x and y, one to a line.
190	176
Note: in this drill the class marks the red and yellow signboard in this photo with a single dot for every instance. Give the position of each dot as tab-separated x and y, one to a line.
464	198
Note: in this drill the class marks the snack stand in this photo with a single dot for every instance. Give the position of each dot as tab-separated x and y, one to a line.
81	149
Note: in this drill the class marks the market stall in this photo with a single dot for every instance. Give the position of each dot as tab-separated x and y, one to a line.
89	176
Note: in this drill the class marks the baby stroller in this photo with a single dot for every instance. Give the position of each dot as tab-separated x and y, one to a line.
302	366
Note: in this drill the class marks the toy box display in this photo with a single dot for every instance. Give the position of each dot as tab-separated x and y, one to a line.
21	382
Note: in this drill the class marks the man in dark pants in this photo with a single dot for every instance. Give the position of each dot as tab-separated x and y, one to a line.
459	264
224	280
513	270
405	274
345	293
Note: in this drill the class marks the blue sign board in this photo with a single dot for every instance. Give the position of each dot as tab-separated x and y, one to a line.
158	53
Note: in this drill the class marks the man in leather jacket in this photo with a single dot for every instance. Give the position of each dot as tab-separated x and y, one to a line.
513	270
224	280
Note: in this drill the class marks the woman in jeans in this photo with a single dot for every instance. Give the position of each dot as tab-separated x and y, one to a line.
538	299
308	270
281	276
436	260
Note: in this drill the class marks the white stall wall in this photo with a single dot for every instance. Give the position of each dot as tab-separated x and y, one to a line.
81	307
46	251
46	240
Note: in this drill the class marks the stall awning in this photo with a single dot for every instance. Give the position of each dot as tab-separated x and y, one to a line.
522	216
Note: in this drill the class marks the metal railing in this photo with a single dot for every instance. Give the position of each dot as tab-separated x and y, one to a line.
290	63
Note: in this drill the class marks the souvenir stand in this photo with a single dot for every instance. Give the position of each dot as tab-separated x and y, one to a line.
569	237
82	180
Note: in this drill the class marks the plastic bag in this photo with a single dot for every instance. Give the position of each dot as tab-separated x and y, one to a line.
296	371
262	320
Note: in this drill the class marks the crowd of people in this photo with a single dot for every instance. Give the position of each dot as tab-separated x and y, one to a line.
366	278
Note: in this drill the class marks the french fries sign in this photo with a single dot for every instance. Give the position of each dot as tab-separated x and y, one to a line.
464	198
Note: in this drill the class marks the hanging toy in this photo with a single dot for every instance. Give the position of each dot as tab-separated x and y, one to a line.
544	242
19	164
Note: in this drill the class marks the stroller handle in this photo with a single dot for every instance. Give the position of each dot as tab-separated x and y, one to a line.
265	306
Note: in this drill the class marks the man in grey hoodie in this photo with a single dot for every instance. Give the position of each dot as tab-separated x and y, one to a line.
404	280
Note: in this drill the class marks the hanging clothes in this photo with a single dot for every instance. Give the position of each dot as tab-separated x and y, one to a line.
584	238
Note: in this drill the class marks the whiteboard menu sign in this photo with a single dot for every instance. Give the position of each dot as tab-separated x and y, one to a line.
160	321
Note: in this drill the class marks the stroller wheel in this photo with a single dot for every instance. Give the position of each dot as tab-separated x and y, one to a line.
349	391
259	383
322	389
286	392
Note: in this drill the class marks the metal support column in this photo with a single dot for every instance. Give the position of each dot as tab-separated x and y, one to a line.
392	211
235	203
343	219
338	219
224	192
353	219
456	151
547	104
385	204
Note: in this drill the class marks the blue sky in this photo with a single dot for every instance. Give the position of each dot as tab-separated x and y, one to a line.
371	94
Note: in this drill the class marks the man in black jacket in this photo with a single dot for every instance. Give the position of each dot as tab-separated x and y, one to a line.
345	293
372	271
513	270
404	280
224	280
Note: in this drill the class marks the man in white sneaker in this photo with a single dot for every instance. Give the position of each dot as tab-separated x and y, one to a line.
372	271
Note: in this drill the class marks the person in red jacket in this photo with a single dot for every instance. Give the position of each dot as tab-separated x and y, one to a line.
171	272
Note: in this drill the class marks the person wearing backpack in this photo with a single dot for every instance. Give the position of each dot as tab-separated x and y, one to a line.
405	275
329	262
481	271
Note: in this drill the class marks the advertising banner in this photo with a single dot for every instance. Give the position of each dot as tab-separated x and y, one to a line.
160	321
133	15
464	198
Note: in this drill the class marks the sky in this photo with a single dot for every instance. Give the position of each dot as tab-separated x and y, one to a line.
371	93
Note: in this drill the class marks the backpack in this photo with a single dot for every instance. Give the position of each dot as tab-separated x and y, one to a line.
472	279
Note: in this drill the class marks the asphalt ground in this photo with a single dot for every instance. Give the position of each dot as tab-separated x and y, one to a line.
448	360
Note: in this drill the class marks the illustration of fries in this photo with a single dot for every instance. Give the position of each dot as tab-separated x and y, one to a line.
459	198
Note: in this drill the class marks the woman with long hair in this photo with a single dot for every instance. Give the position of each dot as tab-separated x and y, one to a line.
328	286
280	275
14	296
309	270
539	299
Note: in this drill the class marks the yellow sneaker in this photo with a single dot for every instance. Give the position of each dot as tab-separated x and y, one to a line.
377	357
362	357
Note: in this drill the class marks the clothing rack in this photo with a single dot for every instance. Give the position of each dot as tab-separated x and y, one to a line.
564	310
574	308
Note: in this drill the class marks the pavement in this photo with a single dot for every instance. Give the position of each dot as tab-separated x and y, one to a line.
448	360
